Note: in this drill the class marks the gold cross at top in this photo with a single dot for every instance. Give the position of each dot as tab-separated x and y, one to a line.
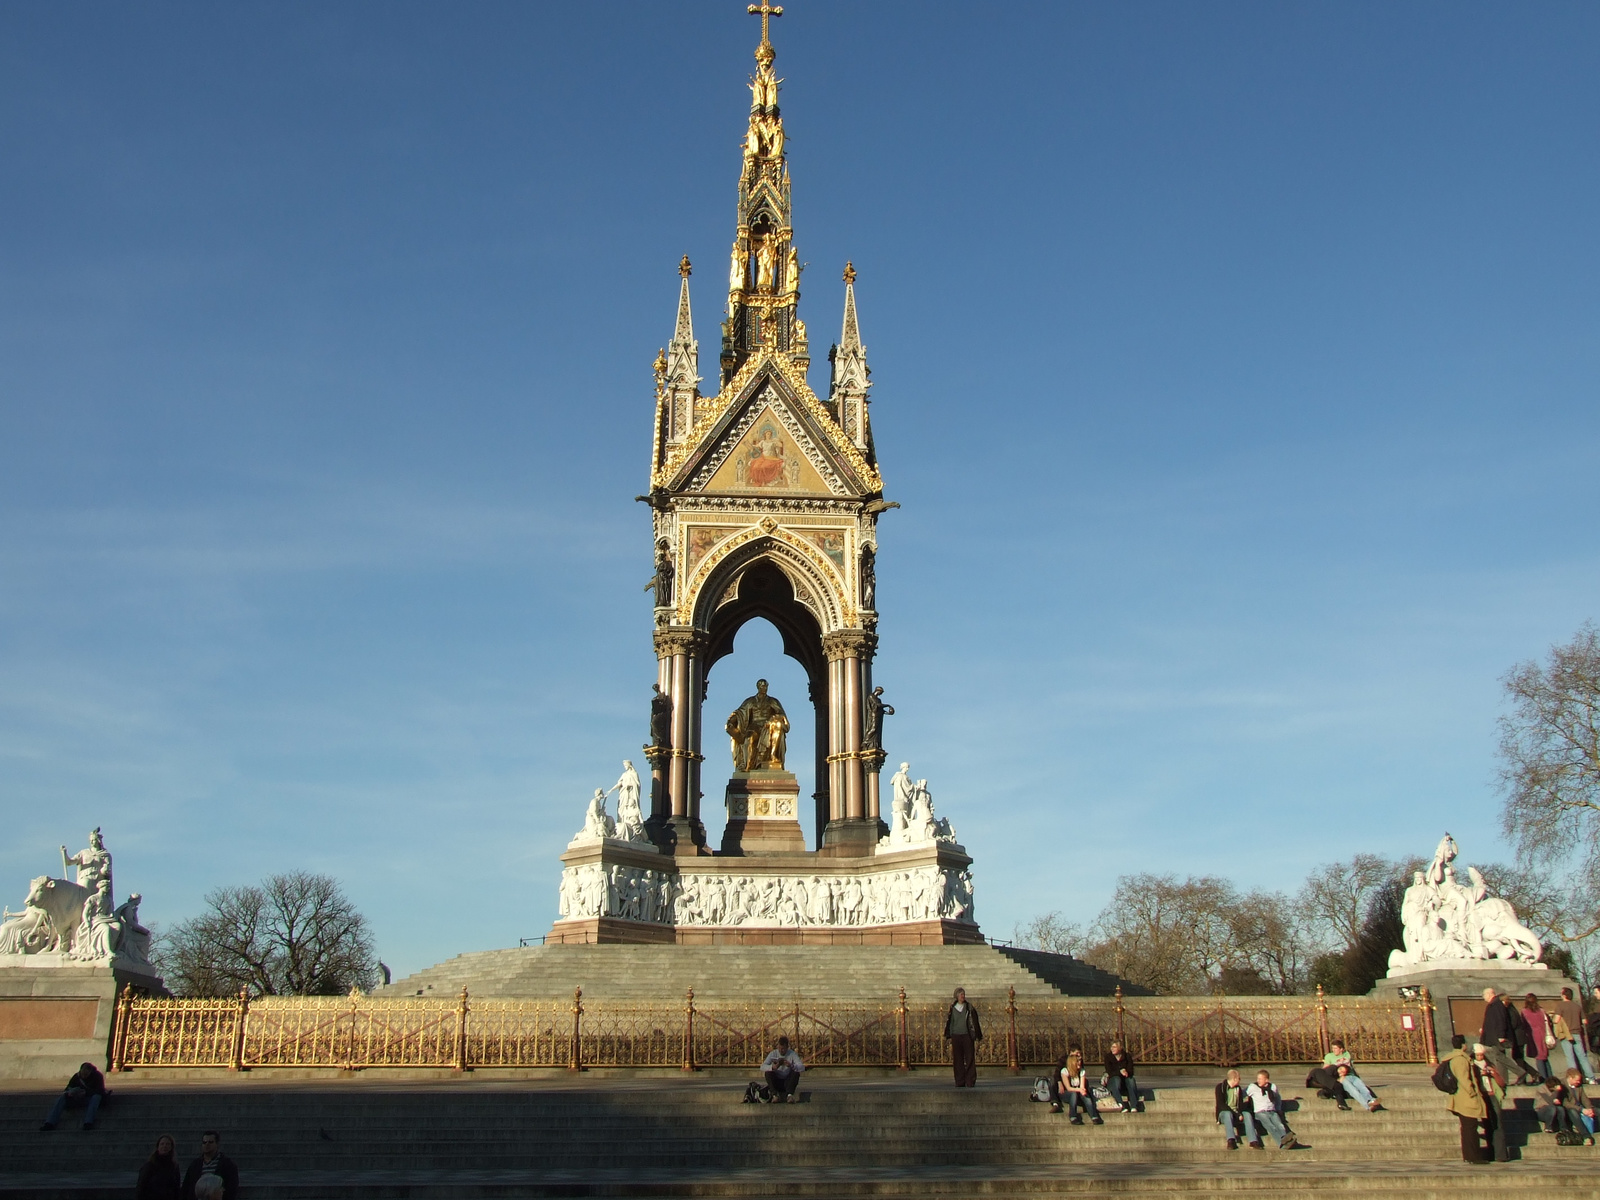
766	10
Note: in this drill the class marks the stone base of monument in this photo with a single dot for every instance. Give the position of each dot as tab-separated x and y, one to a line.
614	891
56	1013
763	814
1456	988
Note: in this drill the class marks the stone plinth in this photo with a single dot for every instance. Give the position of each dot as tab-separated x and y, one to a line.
56	1013
1456	988
763	814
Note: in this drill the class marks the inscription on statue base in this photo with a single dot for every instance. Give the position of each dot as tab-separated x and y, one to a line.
763	814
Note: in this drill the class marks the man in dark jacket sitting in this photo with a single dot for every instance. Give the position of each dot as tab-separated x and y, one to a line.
1119	1079
1233	1114
87	1085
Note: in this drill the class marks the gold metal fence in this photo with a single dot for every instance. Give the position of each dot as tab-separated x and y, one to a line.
357	1031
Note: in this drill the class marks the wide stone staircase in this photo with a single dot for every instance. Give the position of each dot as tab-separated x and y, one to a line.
666	1135
614	972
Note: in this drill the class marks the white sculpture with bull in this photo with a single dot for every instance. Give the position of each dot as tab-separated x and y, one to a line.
76	920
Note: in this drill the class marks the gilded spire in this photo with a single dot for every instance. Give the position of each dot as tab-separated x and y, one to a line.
851	377
680	371
764	265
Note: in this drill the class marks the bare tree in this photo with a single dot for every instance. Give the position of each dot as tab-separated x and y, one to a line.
1334	899
1269	944
1169	935
295	935
1052	933
1550	747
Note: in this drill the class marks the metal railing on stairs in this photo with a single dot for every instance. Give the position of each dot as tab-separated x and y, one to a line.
359	1032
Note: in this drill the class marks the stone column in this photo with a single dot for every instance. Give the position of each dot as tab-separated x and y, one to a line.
849	830
681	653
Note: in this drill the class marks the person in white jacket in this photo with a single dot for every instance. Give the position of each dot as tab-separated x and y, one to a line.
782	1068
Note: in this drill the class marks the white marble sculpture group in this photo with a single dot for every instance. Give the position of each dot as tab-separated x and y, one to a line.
76	920
640	894
629	825
1449	921
912	822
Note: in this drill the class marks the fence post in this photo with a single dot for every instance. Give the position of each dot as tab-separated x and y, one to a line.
119	1030
461	1030
1322	1020
1426	1004
688	1033
236	1058
1011	1033
575	1053
903	1041
1118	994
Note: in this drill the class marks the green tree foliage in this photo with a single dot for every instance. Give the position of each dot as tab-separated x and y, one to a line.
294	935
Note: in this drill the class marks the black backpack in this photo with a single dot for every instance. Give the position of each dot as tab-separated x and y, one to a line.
1444	1078
757	1093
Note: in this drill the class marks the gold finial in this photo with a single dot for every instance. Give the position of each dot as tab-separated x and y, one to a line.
661	362
766	10
849	272
684	269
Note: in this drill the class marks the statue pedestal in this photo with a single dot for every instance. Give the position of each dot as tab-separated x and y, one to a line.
763	814
1456	985
56	1012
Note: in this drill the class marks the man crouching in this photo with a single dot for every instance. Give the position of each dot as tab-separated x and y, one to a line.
782	1068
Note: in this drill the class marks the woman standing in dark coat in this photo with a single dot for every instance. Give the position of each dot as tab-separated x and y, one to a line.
160	1178
963	1032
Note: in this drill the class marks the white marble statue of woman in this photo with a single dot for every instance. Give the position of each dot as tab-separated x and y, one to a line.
900	784
93	862
132	938
96	938
596	821
630	818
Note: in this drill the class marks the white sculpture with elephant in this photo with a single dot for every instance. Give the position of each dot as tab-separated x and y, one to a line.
76	920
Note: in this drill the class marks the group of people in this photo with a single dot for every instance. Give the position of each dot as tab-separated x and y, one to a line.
1072	1088
212	1176
1524	1047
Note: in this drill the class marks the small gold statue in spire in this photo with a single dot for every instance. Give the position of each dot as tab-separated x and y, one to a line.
684	269
661	364
849	272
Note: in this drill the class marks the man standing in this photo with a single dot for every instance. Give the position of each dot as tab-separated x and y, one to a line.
1501	1024
1569	1032
963	1031
782	1067
212	1163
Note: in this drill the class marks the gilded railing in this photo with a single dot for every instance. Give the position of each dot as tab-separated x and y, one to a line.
357	1031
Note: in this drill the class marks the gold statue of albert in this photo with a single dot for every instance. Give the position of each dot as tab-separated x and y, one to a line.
758	728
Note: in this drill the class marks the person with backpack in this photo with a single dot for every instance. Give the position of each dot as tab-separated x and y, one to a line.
782	1068
1458	1078
1541	1035
963	1032
1232	1114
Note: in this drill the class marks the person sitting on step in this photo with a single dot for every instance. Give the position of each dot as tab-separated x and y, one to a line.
1233	1114
1581	1108
782	1068
89	1086
1123	1086
1266	1106
1550	1105
1343	1066
1075	1089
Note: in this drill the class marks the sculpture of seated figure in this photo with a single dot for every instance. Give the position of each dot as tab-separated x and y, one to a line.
597	822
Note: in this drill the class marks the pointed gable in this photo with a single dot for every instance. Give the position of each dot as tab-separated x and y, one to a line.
768	435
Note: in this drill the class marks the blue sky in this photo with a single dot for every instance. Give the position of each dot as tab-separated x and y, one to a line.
1235	368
